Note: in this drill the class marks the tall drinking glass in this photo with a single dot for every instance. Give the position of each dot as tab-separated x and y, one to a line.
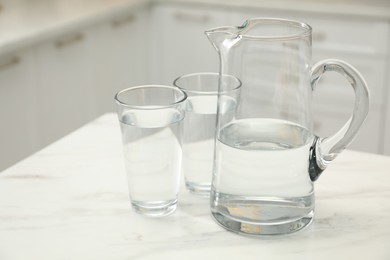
199	125
151	124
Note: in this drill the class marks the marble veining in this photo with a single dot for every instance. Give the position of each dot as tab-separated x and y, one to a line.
69	201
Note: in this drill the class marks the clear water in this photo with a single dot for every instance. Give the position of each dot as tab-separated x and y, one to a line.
261	177
198	142
152	150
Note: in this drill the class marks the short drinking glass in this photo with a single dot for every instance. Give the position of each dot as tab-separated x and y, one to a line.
151	124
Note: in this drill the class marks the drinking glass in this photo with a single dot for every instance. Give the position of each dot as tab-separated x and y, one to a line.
199	125
151	118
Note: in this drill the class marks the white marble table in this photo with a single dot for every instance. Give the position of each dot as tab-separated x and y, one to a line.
69	201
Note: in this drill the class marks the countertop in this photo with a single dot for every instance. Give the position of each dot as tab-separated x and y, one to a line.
70	201
27	22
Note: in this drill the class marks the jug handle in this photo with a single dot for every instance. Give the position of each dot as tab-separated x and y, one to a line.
325	150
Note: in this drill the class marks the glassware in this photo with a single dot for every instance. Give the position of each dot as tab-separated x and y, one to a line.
151	124
199	125
267	156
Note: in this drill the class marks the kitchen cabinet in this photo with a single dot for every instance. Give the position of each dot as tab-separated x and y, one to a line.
58	85
120	59
82	71
386	129
66	95
179	45
18	113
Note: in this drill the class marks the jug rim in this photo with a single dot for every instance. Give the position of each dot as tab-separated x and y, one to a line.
242	31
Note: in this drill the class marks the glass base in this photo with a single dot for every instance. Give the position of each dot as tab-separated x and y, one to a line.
201	190
260	229
155	208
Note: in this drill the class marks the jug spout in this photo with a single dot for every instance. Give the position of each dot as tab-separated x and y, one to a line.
223	36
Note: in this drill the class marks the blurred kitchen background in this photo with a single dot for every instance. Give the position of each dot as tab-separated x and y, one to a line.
62	61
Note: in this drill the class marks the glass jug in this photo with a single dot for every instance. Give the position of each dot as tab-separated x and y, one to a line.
266	155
